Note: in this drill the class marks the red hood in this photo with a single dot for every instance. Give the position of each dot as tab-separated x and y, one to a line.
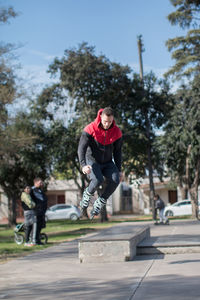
98	133
97	121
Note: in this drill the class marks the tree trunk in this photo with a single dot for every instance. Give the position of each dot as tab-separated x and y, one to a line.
183	188
184	192
187	173
194	201
84	213
12	214
194	193
151	184
104	216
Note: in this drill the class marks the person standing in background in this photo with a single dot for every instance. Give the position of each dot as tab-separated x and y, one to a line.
160	205
29	217
40	200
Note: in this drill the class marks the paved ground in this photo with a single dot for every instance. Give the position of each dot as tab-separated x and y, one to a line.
55	273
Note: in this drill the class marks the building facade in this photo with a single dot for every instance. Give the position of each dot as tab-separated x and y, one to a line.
127	199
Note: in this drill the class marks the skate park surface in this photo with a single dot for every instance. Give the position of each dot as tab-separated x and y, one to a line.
167	266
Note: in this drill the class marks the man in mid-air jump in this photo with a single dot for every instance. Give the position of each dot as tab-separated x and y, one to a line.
100	157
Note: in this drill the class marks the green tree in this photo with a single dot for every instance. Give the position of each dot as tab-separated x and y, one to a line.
93	81
20	147
181	142
90	82
14	172
34	158
8	90
148	114
10	137
184	132
6	13
64	135
185	49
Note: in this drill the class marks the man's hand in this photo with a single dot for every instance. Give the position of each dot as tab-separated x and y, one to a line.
86	169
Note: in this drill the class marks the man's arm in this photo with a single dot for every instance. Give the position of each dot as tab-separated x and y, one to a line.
82	148
32	195
117	153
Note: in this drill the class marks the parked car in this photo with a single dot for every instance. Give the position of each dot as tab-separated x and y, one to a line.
179	208
63	211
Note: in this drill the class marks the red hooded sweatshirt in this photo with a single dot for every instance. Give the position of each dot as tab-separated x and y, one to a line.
100	145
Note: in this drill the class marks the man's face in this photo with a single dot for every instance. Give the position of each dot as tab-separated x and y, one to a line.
106	121
38	184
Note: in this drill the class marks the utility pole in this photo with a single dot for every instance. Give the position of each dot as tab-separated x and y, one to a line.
140	50
147	133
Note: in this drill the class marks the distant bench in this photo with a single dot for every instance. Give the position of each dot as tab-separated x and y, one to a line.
115	244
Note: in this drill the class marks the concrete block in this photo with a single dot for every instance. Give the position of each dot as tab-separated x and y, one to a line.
115	244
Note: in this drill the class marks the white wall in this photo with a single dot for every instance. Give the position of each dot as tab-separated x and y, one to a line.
3	206
72	197
116	200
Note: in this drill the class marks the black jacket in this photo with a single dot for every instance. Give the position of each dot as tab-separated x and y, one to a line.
40	200
100	145
160	203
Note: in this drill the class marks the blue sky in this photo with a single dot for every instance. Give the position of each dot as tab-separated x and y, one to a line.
45	28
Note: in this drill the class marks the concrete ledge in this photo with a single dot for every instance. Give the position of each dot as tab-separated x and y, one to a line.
168	250
169	245
115	244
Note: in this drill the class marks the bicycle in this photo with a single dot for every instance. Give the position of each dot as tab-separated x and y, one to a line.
19	237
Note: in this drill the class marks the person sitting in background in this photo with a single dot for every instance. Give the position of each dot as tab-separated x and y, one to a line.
29	217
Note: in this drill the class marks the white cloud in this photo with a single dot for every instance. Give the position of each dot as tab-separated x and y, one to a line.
43	55
35	76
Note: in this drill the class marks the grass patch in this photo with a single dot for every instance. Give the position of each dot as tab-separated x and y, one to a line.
61	231
57	231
